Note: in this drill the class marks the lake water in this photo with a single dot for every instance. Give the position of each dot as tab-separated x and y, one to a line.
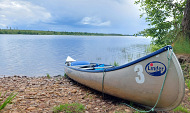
37	55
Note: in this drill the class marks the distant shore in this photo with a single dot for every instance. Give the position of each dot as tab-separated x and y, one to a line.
38	32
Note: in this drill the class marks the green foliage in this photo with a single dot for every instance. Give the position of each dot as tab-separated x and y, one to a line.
136	112
69	108
154	47
181	109
35	32
188	83
7	100
120	111
164	18
182	45
131	104
65	75
116	63
48	76
188	98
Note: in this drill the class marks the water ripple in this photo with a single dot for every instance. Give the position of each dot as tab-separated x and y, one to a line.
35	55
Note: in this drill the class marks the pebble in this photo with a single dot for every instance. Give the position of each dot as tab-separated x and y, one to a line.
88	106
73	91
98	101
128	111
31	108
83	101
15	112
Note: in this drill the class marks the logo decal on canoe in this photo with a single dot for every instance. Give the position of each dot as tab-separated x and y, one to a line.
155	68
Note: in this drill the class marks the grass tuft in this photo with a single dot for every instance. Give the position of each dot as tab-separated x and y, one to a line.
65	75
154	47
7	100
48	76
182	45
116	63
69	108
188	84
181	109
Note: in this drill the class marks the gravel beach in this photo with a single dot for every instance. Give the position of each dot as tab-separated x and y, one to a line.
41	94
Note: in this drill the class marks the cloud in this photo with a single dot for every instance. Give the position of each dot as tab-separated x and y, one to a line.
15	13
108	16
94	21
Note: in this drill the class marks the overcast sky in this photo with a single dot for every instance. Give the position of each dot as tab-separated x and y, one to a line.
98	16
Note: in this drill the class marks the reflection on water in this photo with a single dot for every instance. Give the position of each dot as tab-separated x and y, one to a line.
130	53
36	55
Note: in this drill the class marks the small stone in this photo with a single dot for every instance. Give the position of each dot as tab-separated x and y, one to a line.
98	101
31	108
51	92
96	108
42	105
89	106
73	91
43	94
83	101
32	93
15	112
127	110
104	106
188	94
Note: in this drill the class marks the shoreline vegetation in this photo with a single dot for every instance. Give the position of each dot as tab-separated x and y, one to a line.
38	32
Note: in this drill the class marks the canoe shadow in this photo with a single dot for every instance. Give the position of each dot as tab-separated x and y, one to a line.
108	99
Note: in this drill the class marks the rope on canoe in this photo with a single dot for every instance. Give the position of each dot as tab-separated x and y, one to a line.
103	82
153	108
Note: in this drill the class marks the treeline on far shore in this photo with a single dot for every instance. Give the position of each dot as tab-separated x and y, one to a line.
36	32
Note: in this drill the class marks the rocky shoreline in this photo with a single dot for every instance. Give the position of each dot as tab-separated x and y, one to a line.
41	94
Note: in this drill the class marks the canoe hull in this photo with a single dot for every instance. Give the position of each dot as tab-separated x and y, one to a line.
139	82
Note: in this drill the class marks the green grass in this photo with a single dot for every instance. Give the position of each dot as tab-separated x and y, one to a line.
153	47
120	111
48	76
188	98
116	63
65	75
69	108
188	84
6	100
182	45
181	109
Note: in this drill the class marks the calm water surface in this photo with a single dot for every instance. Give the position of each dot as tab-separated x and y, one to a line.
37	55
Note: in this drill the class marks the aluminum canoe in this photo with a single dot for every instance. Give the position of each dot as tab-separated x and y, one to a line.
139	81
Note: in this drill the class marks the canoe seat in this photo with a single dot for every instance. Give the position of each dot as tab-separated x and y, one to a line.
89	66
77	63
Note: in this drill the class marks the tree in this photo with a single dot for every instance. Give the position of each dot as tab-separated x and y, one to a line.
186	19
165	18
